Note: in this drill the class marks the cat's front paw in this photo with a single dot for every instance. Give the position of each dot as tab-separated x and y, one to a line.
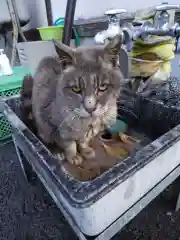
87	152
76	160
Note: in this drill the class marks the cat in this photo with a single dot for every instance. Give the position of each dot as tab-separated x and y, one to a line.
26	102
74	97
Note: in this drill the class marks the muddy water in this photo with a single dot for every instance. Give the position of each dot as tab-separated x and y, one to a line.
92	168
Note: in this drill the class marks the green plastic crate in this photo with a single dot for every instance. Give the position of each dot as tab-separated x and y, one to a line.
5	129
9	87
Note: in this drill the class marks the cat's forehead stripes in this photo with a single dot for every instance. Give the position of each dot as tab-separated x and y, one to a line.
85	81
92	82
77	82
81	82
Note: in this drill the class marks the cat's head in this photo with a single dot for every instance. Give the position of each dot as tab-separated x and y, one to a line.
91	78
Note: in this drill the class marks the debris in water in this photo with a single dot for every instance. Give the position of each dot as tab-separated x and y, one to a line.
115	151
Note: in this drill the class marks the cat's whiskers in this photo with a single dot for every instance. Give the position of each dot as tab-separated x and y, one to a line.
77	113
101	112
76	110
76	126
66	117
74	118
69	123
124	100
62	122
126	110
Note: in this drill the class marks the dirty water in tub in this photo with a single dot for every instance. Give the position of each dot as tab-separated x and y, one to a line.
110	150
108	153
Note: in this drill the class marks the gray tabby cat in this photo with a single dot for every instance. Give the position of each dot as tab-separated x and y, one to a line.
74	97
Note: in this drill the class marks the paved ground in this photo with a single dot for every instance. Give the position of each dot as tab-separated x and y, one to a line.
27	213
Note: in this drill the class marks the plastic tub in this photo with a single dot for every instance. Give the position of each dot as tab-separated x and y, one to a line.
117	189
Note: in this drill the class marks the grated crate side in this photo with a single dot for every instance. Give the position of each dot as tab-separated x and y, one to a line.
5	127
9	93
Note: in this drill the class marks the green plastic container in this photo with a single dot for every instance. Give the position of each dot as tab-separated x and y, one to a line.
10	86
52	32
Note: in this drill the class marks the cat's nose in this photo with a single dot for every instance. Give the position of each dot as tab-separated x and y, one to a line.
90	104
90	110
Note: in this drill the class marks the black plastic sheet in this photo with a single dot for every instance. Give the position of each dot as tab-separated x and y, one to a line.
156	108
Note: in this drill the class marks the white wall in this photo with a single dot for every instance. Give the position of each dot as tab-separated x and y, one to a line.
85	8
90	8
37	11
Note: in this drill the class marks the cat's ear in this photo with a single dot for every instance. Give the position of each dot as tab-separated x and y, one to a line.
112	50
64	52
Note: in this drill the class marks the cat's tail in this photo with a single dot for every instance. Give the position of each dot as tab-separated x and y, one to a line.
26	93
26	102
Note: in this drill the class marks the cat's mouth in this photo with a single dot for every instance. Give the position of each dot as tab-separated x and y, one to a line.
98	112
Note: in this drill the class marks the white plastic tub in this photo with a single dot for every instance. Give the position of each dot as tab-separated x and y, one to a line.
96	204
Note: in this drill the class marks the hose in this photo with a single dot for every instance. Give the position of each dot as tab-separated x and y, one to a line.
15	31
17	21
60	22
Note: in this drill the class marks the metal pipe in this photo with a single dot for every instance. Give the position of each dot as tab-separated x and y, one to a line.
49	12
68	21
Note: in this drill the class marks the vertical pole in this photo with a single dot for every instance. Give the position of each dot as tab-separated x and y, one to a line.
68	22
49	12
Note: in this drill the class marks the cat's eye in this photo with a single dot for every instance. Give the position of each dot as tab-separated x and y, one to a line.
103	87
76	89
